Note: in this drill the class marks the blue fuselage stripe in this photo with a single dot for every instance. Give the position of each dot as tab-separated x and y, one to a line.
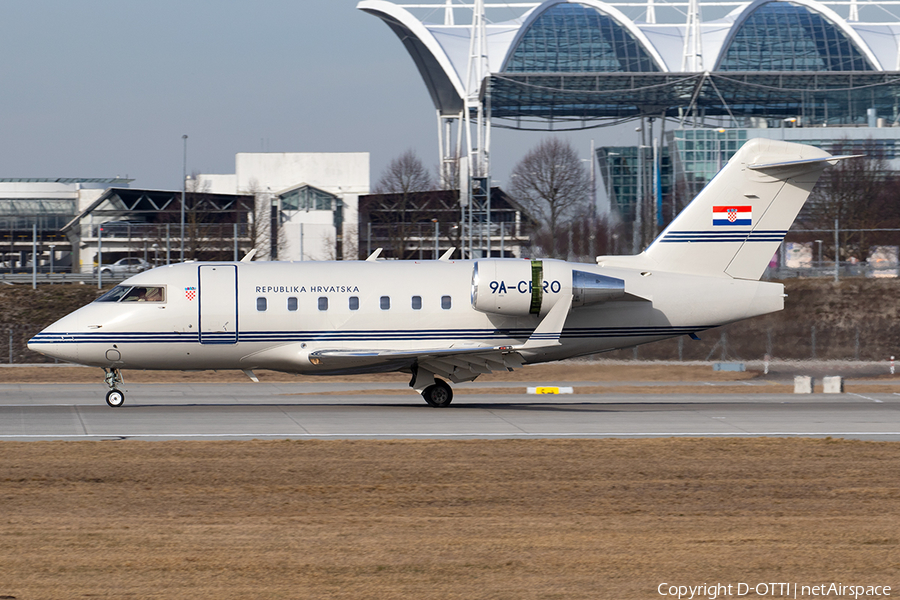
351	336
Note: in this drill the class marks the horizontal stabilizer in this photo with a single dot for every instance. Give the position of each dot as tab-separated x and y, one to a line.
806	161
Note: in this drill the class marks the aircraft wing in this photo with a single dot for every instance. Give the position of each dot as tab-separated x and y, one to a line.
457	364
461	363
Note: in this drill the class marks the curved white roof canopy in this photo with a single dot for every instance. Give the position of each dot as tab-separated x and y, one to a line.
441	79
828	14
440	52
604	8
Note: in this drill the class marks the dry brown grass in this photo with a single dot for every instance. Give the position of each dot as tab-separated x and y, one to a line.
435	519
551	372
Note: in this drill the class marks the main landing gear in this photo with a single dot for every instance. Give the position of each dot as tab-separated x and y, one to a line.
435	391
114	397
438	395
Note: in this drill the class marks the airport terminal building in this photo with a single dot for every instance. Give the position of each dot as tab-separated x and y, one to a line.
698	82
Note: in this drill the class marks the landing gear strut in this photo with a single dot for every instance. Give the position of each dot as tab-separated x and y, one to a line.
438	395
114	397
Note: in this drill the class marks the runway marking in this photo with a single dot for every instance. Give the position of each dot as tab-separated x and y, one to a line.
866	397
449	435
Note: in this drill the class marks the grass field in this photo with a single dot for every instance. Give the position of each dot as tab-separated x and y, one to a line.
435	519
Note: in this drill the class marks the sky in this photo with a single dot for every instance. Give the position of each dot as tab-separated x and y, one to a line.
105	88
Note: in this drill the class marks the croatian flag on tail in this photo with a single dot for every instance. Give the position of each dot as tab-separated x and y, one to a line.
732	215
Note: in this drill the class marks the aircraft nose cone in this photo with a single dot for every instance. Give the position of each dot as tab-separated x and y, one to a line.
54	345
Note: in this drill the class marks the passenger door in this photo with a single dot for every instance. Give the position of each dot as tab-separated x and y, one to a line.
218	304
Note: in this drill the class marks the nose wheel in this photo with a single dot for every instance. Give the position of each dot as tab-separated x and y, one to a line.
114	397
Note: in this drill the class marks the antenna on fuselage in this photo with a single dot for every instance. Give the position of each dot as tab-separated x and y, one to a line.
249	256
374	256
446	255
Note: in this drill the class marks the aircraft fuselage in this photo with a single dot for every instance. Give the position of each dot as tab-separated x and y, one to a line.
276	315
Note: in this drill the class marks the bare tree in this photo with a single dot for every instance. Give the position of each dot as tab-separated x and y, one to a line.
350	244
400	202
861	194
259	222
351	240
551	184
405	174
197	217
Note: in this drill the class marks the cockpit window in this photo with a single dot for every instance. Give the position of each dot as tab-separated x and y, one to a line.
115	294
137	293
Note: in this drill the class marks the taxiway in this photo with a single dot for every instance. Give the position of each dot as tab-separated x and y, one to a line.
338	411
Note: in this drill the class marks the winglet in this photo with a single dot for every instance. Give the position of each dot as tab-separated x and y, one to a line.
249	373
549	329
249	256
446	255
374	256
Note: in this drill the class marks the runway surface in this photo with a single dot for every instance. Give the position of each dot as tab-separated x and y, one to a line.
332	411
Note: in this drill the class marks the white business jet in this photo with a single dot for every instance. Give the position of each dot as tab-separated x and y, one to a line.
454	319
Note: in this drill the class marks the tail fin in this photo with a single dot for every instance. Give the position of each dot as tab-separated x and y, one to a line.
735	224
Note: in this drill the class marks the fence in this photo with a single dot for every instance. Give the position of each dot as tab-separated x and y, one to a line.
739	341
15	344
785	341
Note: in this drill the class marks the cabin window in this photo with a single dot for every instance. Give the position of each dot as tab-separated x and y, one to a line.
354	303
445	302
262	304
323	303
292	304
385	303
417	302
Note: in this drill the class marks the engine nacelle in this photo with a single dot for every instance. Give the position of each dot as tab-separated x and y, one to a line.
518	288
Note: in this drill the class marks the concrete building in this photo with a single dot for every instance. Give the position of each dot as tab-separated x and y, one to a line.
44	205
309	198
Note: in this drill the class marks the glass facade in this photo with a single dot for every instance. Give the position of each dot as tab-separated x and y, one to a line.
698	155
622	172
574	38
701	153
307	198
784	61
781	36
46	213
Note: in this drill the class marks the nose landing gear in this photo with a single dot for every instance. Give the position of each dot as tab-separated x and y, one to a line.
114	397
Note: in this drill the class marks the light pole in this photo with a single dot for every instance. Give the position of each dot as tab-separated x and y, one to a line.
609	160
719	150
592	235
636	224
183	190
100	257
436	234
